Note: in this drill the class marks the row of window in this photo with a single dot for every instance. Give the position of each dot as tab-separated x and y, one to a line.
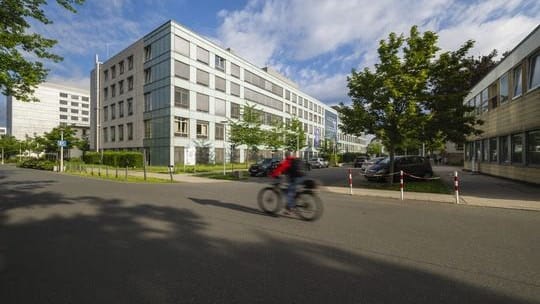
73	118
74	104
121	106
515	149
181	129
120	86
75	97
74	111
121	68
110	134
509	86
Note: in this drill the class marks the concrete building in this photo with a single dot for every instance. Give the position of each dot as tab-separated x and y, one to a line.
57	105
508	101
3	131
172	92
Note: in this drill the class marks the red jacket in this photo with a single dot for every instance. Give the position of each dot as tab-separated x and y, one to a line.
282	167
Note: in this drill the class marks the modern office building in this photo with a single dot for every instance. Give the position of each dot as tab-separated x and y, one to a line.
56	105
507	99
3	131
172	93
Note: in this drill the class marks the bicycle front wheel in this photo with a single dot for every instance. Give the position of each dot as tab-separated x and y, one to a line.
269	200
309	206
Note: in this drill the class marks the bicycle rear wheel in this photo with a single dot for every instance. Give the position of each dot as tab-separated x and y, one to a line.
309	206
269	200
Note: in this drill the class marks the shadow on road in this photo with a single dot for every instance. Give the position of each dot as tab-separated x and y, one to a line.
114	251
231	206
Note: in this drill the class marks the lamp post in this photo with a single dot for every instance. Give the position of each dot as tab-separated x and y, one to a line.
62	150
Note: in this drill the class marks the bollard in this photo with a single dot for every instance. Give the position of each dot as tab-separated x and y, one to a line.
401	183
350	182
456	186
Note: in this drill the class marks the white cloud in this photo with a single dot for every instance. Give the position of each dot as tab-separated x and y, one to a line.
77	82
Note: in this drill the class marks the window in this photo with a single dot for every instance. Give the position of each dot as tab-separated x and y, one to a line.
84	98
287	94
517	148
130	83
65	95
181	97
202	102
63	109
147	102
235	70
63	117
113	72
105	93
147	52
84	105
202	129
105	135
293	112
287	108
130	106
504	147
220	83
105	75
113	90
220	131
263	83
235	89
84	112
485	150
64	102
181	126
75	111
484	102
85	119
220	107
129	126
203	55
534	71
493	149
113	133
203	77
147	75
120	132
262	99
503	88
147	128
517	82
477	101
235	110
220	63
75	97
533	147
478	150
113	111
293	98
121	67
105	113
181	69
121	87
181	45
130	62
121	108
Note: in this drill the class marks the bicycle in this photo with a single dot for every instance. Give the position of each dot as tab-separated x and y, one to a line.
309	207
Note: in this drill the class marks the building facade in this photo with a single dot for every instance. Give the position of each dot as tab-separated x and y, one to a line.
173	92
508	101
56	105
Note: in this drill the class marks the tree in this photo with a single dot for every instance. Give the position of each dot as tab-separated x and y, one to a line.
247	131
19	75
274	139
49	140
374	148
10	145
295	137
387	102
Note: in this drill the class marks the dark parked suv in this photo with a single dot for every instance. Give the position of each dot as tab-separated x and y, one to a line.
414	165
359	161
263	167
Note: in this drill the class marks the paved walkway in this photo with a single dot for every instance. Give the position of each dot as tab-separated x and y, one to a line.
475	189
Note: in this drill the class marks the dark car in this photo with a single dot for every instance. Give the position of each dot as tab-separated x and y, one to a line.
263	167
414	165
368	163
359	161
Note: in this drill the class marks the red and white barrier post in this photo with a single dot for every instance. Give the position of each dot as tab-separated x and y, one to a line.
350	182
401	183
456	186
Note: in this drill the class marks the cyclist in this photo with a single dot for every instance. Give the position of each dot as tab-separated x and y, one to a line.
292	167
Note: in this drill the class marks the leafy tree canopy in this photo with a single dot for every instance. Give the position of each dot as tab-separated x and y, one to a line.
19	74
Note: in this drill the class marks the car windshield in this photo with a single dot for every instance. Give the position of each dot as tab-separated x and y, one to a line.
264	161
314	159
384	161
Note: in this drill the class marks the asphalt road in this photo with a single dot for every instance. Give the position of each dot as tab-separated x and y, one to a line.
66	239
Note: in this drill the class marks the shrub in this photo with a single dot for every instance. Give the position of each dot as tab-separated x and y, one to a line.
40	164
115	158
92	157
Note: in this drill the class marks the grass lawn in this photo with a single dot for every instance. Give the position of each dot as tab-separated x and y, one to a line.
429	186
121	177
227	176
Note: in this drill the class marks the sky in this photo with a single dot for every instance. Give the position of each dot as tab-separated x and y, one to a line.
315	43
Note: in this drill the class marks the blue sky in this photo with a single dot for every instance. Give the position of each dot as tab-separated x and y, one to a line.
316	43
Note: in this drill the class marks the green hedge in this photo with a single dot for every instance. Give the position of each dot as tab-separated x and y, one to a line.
40	164
115	159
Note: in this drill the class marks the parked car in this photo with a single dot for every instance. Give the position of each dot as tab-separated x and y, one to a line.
263	167
414	165
368	163
318	163
359	161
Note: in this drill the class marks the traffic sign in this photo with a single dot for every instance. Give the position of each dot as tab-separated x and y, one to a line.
62	143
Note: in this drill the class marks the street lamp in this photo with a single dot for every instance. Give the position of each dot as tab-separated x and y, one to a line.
224	122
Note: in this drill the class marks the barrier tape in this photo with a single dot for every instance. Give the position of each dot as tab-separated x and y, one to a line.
395	173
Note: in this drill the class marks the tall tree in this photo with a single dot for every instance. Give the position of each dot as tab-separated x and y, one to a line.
19	75
49	140
387	102
295	137
247	130
9	145
374	148
274	139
